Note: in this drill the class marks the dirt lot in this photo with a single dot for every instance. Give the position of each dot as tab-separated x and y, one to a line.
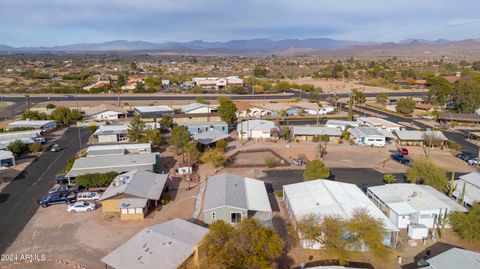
343	86
84	238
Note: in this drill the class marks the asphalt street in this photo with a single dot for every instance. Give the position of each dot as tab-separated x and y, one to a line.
18	201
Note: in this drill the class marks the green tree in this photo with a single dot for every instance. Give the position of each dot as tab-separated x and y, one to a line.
227	110
439	90
405	105
316	169
51	106
389	178
381	98
179	138
17	147
369	231
33	115
467	225
121	80
192	155
359	96
425	171
247	245
467	93
260	72
215	157
36	147
221	145
64	115
167	121
136	129
153	136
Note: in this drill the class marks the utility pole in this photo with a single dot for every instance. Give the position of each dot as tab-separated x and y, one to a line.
28	101
350	106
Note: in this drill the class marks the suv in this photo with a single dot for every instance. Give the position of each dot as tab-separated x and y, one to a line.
465	155
399	158
56	198
63	189
88	196
40	139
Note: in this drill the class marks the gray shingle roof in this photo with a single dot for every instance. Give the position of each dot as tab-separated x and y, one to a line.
142	184
236	191
316	130
161	246
209	137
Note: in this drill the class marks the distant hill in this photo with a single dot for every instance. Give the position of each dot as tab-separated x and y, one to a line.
266	46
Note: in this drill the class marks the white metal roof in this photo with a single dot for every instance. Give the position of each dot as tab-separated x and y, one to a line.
255	125
455	258
203	123
378	122
472	178
195	105
33	123
209	137
102	164
111	129
5	154
402	208
419	197
365	132
143	109
138	146
325	198
161	246
316	130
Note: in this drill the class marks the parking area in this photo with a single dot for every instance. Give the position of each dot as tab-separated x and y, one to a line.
82	239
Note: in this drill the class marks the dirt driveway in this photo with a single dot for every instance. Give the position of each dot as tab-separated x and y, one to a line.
82	239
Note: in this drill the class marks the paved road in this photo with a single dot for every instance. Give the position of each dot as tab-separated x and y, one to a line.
18	201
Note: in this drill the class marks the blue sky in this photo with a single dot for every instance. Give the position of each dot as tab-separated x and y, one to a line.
60	22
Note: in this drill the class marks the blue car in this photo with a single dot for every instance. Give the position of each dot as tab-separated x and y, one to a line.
400	158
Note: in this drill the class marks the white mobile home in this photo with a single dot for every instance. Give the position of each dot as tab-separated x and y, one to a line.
111	133
326	198
380	123
255	129
341	124
471	184
367	136
43	125
7	160
407	204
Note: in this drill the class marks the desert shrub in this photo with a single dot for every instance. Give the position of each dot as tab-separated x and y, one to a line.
270	162
36	147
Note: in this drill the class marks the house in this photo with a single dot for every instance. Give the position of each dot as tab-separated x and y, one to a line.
194	108
379	123
27	137
111	133
341	124
104	112
232	198
325	198
471	184
42	125
132	194
421	83
210	137
115	163
367	136
424	107
418	138
217	83
314	108
245	110
162	246
407	204
203	126
150	112
118	149
307	133
255	129
447	117
455	258
132	83
452	79
7	160
97	85
197	117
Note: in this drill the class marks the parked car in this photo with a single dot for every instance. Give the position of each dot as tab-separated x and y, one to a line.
428	117
403	151
61	180
55	148
298	162
68	96
56	198
88	196
63	189
400	158
465	155
40	139
81	207
474	161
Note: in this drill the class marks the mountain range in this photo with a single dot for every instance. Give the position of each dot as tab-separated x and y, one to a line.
252	46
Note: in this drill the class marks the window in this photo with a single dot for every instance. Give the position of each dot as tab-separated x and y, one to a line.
124	211
138	210
235	217
213	215
131	211
223	128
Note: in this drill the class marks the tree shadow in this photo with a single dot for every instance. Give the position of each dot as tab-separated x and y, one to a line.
271	197
281	226
429	252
